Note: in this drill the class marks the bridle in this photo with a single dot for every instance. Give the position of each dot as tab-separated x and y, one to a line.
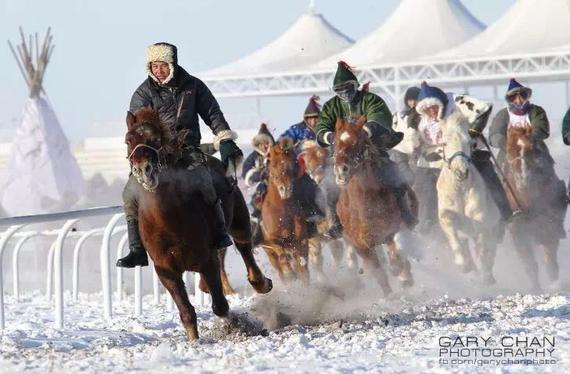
456	154
155	150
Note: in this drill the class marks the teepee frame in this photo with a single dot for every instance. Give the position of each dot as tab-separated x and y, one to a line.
26	53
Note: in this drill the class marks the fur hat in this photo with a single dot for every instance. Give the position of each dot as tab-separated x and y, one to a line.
263	136
313	108
163	52
344	74
515	87
430	96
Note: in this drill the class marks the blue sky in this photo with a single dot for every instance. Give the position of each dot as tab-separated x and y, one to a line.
99	54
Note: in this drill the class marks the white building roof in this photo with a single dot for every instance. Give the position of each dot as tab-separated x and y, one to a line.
528	26
310	39
417	28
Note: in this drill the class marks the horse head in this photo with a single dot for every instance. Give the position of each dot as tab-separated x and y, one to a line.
519	152
350	147
315	159
284	168
457	148
151	145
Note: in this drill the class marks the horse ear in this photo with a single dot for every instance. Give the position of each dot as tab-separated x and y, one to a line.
131	119
361	121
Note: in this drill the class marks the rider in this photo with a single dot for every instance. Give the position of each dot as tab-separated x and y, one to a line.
436	106
254	173
349	102
406	121
179	99
521	112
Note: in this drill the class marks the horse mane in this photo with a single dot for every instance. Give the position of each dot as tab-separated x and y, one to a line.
172	141
308	144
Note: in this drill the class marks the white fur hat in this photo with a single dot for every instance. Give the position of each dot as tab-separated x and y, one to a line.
163	52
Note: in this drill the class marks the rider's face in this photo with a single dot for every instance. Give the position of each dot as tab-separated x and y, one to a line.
264	147
161	70
432	111
518	99
311	122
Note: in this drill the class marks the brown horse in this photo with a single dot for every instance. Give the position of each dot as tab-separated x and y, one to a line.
534	188
285	237
176	225
367	209
317	166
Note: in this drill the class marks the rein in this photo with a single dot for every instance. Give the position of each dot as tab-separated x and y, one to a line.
457	154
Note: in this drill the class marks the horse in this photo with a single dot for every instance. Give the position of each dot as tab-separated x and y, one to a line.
367	208
534	188
175	223
466	209
317	165
285	237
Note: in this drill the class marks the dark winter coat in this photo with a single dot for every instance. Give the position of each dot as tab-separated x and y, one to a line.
253	168
179	103
566	128
540	130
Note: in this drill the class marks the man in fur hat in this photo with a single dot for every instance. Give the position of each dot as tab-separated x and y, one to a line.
521	112
254	173
305	130
435	107
350	102
179	98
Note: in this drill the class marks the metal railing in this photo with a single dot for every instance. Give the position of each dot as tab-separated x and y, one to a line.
55	259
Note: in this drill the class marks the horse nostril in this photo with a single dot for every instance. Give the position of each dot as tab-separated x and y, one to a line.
148	168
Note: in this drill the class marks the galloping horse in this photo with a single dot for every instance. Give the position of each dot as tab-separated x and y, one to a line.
317	166
176	225
464	204
285	238
367	208
536	190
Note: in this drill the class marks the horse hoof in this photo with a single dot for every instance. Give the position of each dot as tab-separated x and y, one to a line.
263	286
192	333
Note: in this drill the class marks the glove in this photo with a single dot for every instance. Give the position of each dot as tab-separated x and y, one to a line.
229	150
329	138
474	132
432	157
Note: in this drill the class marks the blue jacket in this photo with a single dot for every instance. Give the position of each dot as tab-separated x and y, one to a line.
299	132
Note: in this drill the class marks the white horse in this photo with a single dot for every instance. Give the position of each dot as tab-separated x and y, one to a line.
466	209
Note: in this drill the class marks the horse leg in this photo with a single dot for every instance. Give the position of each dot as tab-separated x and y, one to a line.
456	244
487	249
372	264
316	258
211	273
551	258
240	230
400	267
228	289
336	252
300	261
526	255
173	282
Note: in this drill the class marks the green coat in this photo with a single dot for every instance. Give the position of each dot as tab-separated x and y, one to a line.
538	121
365	104
566	128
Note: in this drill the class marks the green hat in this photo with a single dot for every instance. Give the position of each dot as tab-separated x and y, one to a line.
344	74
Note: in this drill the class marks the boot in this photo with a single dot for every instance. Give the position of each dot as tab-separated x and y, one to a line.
407	216
222	239
137	254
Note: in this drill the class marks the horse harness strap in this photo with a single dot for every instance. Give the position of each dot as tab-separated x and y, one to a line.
142	145
456	154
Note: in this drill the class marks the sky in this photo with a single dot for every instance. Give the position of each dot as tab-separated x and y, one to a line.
99	49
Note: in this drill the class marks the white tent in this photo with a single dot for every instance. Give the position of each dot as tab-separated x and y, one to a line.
417	28
309	40
42	175
528	26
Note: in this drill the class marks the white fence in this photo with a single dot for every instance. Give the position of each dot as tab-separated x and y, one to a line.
56	253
